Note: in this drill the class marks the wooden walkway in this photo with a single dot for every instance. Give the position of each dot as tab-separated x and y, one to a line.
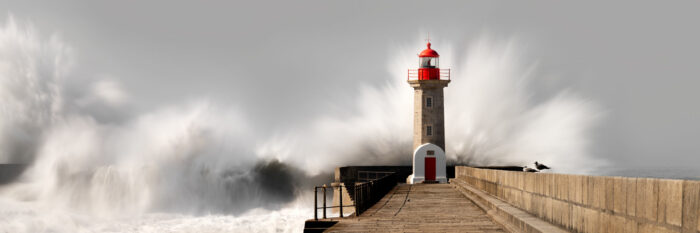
421	208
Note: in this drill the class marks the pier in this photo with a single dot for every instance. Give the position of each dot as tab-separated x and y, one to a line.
490	200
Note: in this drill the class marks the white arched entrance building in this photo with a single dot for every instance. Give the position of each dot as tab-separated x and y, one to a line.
428	165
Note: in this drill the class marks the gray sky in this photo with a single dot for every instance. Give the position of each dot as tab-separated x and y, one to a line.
280	61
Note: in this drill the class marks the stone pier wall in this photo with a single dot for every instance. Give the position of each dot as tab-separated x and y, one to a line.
594	204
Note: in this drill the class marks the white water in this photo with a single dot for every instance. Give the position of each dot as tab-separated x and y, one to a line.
494	119
194	167
491	117
32	217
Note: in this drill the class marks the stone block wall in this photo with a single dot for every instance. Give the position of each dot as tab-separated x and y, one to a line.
593	204
424	116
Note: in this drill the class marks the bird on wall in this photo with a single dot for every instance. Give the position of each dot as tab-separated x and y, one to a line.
527	169
540	166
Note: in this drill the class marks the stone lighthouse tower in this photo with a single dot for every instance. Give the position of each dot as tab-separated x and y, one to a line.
428	82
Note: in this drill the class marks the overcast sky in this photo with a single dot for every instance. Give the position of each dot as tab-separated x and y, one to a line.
280	61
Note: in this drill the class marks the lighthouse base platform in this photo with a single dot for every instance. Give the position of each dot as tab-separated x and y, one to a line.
428	165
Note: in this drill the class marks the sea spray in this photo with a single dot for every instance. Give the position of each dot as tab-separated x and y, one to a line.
493	118
200	164
192	158
32	73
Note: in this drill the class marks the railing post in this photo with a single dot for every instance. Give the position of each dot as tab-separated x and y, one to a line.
369	191
362	197
359	200
355	195
324	201
316	203
340	199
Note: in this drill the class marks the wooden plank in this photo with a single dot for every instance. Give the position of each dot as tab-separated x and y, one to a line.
421	208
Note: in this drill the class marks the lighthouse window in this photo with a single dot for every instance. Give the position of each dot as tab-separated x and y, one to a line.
429	130
429	102
428	62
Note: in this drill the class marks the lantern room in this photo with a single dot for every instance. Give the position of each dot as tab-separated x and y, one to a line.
429	58
428	67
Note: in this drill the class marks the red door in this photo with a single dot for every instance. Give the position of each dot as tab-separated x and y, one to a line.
429	168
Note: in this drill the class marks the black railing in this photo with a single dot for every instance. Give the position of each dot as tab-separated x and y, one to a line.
364	194
324	207
370	192
371	175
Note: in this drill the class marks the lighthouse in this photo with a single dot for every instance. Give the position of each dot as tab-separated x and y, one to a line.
428	82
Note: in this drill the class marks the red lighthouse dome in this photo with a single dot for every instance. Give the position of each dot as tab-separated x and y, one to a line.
428	52
429	67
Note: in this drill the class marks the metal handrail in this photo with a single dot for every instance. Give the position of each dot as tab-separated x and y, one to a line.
370	192
324	207
445	74
365	175
365	194
413	74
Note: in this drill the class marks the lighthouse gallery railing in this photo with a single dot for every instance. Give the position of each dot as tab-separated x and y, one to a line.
413	74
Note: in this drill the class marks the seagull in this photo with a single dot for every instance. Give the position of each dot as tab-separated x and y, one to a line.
540	166
527	169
